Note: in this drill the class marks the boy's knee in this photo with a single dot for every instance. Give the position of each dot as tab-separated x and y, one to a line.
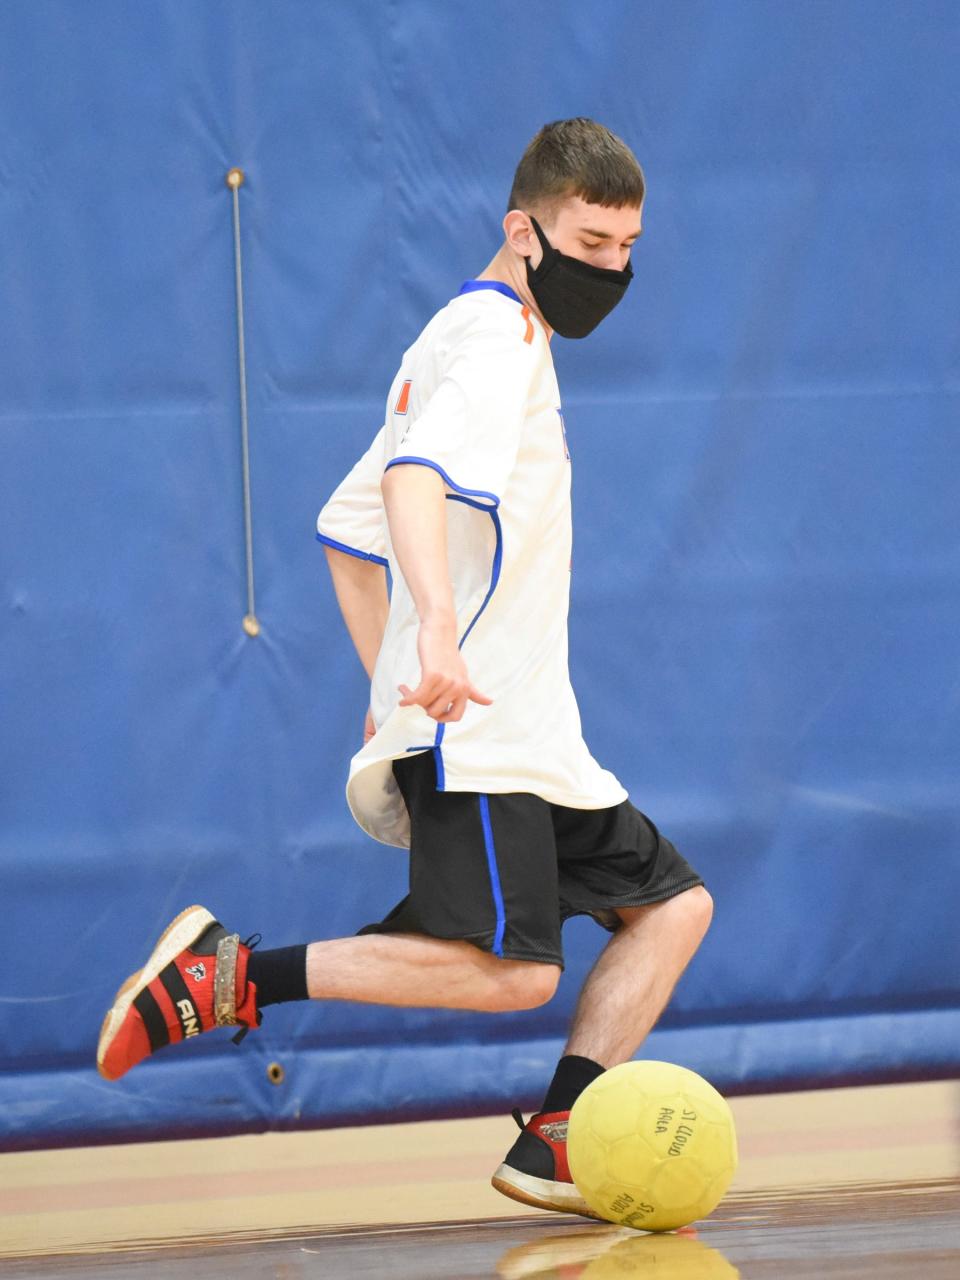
699	908
527	985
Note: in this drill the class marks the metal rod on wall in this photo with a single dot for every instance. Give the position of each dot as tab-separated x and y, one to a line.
251	624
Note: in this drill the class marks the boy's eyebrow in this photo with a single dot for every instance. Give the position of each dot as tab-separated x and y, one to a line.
606	235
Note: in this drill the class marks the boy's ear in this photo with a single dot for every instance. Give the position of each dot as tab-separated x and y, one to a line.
519	233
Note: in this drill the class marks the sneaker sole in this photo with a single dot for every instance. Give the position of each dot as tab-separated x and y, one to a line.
178	934
562	1197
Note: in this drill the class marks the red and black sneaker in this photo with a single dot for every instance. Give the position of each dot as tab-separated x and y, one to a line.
536	1170
195	979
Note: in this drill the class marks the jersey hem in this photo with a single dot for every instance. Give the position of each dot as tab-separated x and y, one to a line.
352	551
393	828
496	787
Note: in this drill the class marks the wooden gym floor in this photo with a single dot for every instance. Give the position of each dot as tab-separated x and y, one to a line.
843	1183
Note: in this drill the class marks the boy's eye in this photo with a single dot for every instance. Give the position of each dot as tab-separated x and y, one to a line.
590	245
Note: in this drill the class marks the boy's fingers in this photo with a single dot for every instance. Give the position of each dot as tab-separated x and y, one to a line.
436	699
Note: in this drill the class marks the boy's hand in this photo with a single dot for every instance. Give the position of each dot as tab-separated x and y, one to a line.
445	688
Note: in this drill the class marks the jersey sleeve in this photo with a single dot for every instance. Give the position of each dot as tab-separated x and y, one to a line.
469	429
353	519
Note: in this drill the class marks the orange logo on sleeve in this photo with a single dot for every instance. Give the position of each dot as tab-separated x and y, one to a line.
403	399
528	336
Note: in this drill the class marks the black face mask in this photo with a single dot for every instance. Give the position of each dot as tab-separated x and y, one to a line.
573	296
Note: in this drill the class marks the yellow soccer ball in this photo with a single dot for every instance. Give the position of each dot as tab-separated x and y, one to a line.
651	1145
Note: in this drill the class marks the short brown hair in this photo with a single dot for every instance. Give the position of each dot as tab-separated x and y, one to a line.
576	157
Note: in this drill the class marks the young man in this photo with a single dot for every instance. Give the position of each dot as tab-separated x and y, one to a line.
473	755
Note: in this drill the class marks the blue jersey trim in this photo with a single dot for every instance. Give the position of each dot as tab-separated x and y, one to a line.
494	579
352	551
428	462
497	559
474	286
494	876
437	756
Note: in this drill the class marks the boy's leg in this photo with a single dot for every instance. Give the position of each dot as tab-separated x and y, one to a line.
199	976
607	858
483	870
634	977
410	969
621	1000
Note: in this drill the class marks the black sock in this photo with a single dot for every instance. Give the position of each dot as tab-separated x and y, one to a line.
279	975
571	1077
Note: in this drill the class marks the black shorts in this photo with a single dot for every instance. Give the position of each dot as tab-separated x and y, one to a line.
505	871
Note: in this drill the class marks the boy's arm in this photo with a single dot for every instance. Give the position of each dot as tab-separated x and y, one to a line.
415	503
361	587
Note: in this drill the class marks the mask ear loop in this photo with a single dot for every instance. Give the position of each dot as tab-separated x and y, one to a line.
549	252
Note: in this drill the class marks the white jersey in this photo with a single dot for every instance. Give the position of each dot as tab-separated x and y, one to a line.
476	399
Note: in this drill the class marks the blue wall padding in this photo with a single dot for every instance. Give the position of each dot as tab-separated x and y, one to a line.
764	609
412	1081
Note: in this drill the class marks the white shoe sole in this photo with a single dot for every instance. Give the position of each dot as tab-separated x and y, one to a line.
562	1197
178	934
